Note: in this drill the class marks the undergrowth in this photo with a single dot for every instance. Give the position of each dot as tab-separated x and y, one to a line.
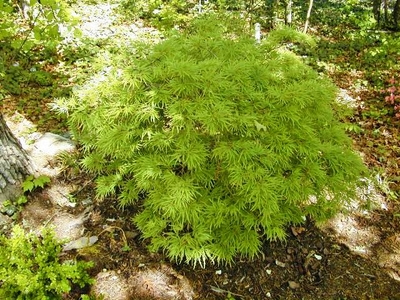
30	267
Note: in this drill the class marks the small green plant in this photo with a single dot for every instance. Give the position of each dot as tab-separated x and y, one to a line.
353	128
382	183
230	297
91	297
32	183
69	163
222	141
30	267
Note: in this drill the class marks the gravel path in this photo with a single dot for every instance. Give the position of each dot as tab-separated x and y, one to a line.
102	21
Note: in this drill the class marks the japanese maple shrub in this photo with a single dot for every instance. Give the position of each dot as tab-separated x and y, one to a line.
223	142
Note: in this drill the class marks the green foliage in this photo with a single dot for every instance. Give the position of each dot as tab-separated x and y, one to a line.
40	26
31	182
371	53
91	297
288	35
29	30
224	142
166	14
343	13
269	13
229	297
30	267
161	13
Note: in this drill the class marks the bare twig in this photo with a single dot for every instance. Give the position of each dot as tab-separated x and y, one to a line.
108	229
219	290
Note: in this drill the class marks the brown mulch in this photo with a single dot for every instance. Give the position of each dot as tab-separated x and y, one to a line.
308	265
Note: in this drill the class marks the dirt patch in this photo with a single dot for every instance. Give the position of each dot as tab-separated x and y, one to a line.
112	286
161	283
41	212
38	212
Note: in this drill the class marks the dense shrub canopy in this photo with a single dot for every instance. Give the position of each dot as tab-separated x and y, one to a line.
222	140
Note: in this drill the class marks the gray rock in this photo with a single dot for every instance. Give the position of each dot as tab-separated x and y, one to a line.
4	220
80	243
68	226
43	153
345	98
59	194
53	144
161	283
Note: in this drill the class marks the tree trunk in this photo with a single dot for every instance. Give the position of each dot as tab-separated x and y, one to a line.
385	11
14	163
310	5
376	8
276	13
396	15
289	13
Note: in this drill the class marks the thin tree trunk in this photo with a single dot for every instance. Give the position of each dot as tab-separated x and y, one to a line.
385	10
14	163
310	5
376	8
396	15
276	13
289	13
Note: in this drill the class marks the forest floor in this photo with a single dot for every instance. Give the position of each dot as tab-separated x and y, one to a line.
355	256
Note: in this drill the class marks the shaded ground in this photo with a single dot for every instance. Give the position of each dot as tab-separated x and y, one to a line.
311	264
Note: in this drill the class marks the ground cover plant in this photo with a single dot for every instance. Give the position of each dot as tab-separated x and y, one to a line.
30	267
224	141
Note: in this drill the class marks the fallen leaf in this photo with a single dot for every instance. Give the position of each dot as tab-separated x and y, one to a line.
318	257
297	230
293	285
280	264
